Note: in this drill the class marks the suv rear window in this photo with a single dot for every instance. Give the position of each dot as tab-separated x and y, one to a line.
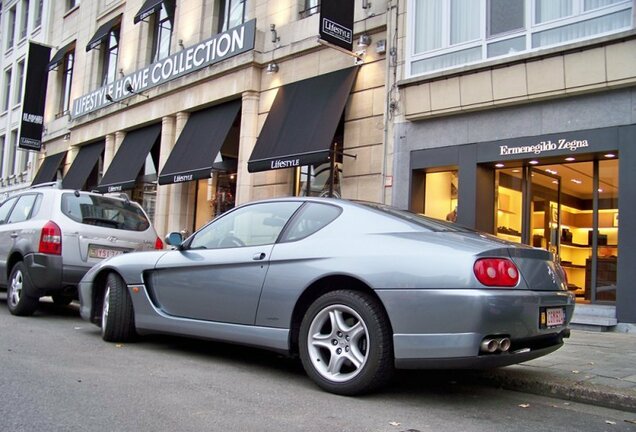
104	211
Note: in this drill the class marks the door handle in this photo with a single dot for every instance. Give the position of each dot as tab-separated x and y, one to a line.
259	256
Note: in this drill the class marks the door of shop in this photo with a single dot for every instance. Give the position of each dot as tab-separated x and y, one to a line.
543	210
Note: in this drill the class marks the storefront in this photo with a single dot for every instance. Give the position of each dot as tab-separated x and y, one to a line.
564	192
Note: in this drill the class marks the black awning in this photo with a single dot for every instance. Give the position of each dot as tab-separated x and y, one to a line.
199	143
302	122
82	165
129	159
152	6
59	55
102	33
48	169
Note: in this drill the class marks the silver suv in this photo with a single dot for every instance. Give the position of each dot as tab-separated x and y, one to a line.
50	237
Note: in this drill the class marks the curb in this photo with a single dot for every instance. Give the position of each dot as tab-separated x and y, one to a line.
592	394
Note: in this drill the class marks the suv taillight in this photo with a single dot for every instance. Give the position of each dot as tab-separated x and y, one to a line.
496	272
51	239
158	244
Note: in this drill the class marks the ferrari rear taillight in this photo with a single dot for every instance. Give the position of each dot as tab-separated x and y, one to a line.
496	272
158	244
51	239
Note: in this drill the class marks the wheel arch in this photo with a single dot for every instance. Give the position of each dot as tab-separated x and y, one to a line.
15	257
319	288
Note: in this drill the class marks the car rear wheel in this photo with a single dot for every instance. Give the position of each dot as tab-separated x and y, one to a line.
346	343
18	300
118	321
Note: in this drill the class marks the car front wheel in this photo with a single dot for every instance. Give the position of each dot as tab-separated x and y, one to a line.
118	320
346	343
18	300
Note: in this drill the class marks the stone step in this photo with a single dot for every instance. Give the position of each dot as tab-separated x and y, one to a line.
595	310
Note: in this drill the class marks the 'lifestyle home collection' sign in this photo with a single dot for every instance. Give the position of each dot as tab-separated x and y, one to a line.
220	47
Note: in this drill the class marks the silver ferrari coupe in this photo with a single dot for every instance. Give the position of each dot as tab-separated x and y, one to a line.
354	289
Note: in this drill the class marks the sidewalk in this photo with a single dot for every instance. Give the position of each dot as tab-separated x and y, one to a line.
592	367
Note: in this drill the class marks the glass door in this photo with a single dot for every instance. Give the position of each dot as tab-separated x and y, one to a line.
543	210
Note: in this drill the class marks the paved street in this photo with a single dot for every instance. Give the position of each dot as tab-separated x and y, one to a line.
58	375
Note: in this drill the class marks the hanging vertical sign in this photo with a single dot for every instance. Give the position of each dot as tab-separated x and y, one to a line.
34	97
336	23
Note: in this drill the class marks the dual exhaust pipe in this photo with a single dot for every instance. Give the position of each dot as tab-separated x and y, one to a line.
491	345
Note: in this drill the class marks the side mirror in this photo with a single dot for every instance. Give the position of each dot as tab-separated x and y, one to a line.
174	239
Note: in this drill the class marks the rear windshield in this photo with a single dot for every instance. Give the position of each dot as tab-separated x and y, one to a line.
419	220
104	211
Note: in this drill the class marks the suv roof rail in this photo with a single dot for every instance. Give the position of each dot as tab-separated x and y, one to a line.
55	184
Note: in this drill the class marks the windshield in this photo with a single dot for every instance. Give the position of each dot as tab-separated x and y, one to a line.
104	211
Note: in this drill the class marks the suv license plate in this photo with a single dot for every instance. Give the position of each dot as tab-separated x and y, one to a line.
103	253
552	317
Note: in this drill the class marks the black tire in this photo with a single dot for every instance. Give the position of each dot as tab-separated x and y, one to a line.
117	315
363	334
61	299
18	301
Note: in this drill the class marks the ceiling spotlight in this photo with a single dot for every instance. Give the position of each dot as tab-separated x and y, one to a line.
272	68
499	165
364	41
610	155
533	162
570	159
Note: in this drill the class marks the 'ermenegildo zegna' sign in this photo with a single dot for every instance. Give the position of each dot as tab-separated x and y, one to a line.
220	47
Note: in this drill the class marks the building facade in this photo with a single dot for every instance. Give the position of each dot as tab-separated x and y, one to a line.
21	21
518	118
193	107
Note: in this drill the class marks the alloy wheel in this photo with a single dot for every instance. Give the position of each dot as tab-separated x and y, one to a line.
15	290
338	341
105	308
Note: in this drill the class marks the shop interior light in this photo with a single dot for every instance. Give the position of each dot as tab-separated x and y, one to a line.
499	165
600	190
610	155
533	162
548	170
577	181
570	159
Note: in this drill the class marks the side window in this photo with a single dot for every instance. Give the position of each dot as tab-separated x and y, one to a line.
22	209
312	218
6	208
253	225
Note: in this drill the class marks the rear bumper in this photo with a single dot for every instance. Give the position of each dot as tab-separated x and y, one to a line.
49	275
445	328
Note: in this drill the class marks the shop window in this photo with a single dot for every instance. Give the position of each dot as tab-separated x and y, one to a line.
450	33
67	80
318	180
110	52
440	195
162	31
231	14
509	204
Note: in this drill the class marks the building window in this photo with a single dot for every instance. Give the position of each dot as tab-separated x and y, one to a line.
110	51
24	21
232	14
67	79
13	145
452	33
70	4
11	28
2	138
162	33
18	83
37	19
7	90
310	7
